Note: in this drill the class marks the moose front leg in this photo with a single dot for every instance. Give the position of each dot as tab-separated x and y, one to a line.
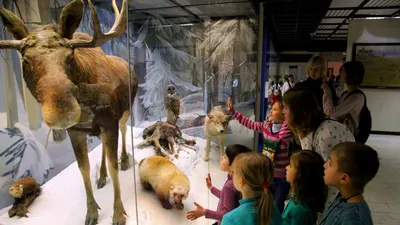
122	127
109	136
79	144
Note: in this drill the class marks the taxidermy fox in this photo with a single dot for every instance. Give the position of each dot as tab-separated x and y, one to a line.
80	89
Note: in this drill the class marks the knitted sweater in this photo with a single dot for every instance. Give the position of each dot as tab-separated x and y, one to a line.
228	200
280	139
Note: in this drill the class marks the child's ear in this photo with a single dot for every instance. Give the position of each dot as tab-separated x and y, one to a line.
345	179
241	181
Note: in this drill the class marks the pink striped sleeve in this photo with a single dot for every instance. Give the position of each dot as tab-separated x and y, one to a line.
285	134
257	126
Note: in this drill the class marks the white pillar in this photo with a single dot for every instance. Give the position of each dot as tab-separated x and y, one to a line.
31	13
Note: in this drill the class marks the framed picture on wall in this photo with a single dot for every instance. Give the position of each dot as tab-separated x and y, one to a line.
381	62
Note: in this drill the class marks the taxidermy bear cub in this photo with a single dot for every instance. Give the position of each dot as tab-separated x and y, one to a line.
167	181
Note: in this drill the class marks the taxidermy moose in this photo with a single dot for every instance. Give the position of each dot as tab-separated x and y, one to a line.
80	89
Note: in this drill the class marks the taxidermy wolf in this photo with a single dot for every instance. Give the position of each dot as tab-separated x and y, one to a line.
80	89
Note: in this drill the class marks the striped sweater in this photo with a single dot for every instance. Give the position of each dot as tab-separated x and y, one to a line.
281	138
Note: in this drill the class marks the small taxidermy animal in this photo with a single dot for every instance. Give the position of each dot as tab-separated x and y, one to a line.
24	191
167	181
172	104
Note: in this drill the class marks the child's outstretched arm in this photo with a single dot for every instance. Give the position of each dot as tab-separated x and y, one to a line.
252	125
228	204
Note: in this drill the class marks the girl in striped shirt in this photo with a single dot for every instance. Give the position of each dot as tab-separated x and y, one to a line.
276	139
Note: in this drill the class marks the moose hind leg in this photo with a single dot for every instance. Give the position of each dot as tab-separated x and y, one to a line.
109	136
122	127
101	182
79	144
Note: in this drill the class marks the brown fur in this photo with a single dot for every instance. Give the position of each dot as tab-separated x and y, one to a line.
164	135
24	191
57	74
23	187
167	181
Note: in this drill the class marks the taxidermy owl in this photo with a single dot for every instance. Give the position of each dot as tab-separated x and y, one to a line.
172	104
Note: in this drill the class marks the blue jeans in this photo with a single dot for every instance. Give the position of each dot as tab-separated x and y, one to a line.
280	189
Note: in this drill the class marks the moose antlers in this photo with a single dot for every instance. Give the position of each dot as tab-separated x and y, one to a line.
70	19
14	25
99	38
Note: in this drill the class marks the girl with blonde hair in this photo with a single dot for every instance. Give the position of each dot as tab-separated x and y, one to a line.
252	174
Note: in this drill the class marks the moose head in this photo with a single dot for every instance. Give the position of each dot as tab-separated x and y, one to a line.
50	67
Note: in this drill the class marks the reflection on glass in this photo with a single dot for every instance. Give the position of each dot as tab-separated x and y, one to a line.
69	86
184	60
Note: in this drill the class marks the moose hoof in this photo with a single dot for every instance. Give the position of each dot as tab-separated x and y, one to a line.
91	221
119	223
119	215
101	183
124	165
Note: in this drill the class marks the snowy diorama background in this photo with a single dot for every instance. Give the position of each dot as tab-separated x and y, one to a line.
207	62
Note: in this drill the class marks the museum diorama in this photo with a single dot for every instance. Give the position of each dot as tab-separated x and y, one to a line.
114	111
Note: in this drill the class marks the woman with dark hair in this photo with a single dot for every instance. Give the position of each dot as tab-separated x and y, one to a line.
349	105
315	131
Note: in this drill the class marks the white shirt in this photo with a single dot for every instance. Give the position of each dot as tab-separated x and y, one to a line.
327	135
286	87
266	89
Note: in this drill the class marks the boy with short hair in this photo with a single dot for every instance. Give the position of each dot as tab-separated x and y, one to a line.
350	167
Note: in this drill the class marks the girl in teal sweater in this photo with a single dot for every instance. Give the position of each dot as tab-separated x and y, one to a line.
252	174
308	190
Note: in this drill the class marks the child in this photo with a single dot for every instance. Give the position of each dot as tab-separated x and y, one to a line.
274	98
276	139
350	167
252	174
228	197
308	190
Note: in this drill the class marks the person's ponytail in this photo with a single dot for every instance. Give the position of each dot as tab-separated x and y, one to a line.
265	207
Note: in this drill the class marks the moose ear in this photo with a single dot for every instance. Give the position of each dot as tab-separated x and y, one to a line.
14	24
70	18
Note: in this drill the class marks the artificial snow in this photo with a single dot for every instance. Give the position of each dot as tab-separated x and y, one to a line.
63	198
